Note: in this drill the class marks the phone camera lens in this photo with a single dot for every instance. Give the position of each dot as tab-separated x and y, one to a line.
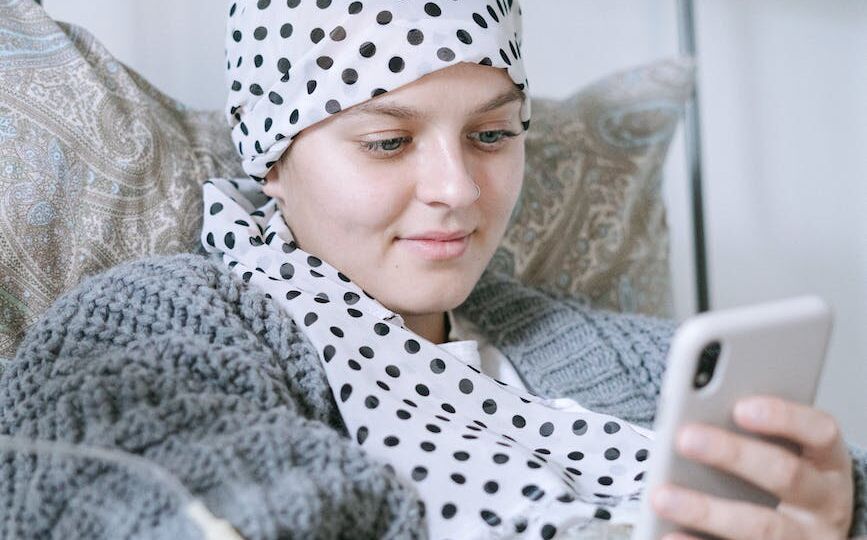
706	365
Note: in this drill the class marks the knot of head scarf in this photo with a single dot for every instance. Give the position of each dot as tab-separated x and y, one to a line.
292	63
488	460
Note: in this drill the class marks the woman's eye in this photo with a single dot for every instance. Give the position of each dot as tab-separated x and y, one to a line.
491	138
384	145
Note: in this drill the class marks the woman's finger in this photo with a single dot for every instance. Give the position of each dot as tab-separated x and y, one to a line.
817	432
732	520
765	465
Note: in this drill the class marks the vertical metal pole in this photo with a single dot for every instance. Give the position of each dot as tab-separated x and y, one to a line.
692	132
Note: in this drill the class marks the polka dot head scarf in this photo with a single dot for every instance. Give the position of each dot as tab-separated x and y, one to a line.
487	459
292	63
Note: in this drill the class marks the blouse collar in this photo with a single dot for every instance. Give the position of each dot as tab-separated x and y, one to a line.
460	343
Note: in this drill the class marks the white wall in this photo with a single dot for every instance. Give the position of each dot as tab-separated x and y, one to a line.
783	86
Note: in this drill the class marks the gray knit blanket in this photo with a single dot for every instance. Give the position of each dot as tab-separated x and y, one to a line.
221	399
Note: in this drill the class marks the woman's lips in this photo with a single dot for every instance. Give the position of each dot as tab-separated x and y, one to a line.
437	250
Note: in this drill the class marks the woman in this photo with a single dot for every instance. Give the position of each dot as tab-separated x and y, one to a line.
304	381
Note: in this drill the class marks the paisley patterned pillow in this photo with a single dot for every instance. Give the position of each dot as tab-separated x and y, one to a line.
89	149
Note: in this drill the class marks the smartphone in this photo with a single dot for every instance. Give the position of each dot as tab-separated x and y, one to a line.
715	359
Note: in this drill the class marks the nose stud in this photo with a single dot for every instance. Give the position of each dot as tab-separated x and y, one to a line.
478	192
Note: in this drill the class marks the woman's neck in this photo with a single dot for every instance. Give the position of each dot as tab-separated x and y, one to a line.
433	327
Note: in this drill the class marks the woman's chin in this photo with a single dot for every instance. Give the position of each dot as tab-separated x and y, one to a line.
411	284
430	294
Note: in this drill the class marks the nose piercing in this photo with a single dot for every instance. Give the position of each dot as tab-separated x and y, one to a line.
478	191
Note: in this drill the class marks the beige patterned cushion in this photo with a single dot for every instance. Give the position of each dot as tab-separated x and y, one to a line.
89	150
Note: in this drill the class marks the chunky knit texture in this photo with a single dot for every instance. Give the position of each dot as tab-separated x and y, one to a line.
175	360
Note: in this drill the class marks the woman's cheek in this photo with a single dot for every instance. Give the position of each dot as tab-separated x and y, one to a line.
374	210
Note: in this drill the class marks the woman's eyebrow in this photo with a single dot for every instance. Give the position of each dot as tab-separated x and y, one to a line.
409	113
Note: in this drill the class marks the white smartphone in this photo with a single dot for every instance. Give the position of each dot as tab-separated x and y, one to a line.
715	359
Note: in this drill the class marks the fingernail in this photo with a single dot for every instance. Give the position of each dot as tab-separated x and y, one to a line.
693	441
752	410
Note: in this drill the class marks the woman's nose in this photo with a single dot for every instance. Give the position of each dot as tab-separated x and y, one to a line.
444	176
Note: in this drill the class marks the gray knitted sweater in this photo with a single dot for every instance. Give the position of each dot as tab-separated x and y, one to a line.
175	360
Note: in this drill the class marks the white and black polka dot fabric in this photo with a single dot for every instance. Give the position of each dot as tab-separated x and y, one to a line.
488	459
292	63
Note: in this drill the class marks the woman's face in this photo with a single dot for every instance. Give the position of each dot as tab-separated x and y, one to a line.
354	187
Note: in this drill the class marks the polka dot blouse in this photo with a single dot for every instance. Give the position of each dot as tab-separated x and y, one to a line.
488	459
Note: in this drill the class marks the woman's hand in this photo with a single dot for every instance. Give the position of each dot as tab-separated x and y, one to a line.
815	489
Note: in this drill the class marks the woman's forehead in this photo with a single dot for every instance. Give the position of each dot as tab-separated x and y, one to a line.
404	108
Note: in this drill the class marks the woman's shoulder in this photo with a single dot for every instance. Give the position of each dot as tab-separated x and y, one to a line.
160	299
499	298
171	277
124	297
177	271
167	317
